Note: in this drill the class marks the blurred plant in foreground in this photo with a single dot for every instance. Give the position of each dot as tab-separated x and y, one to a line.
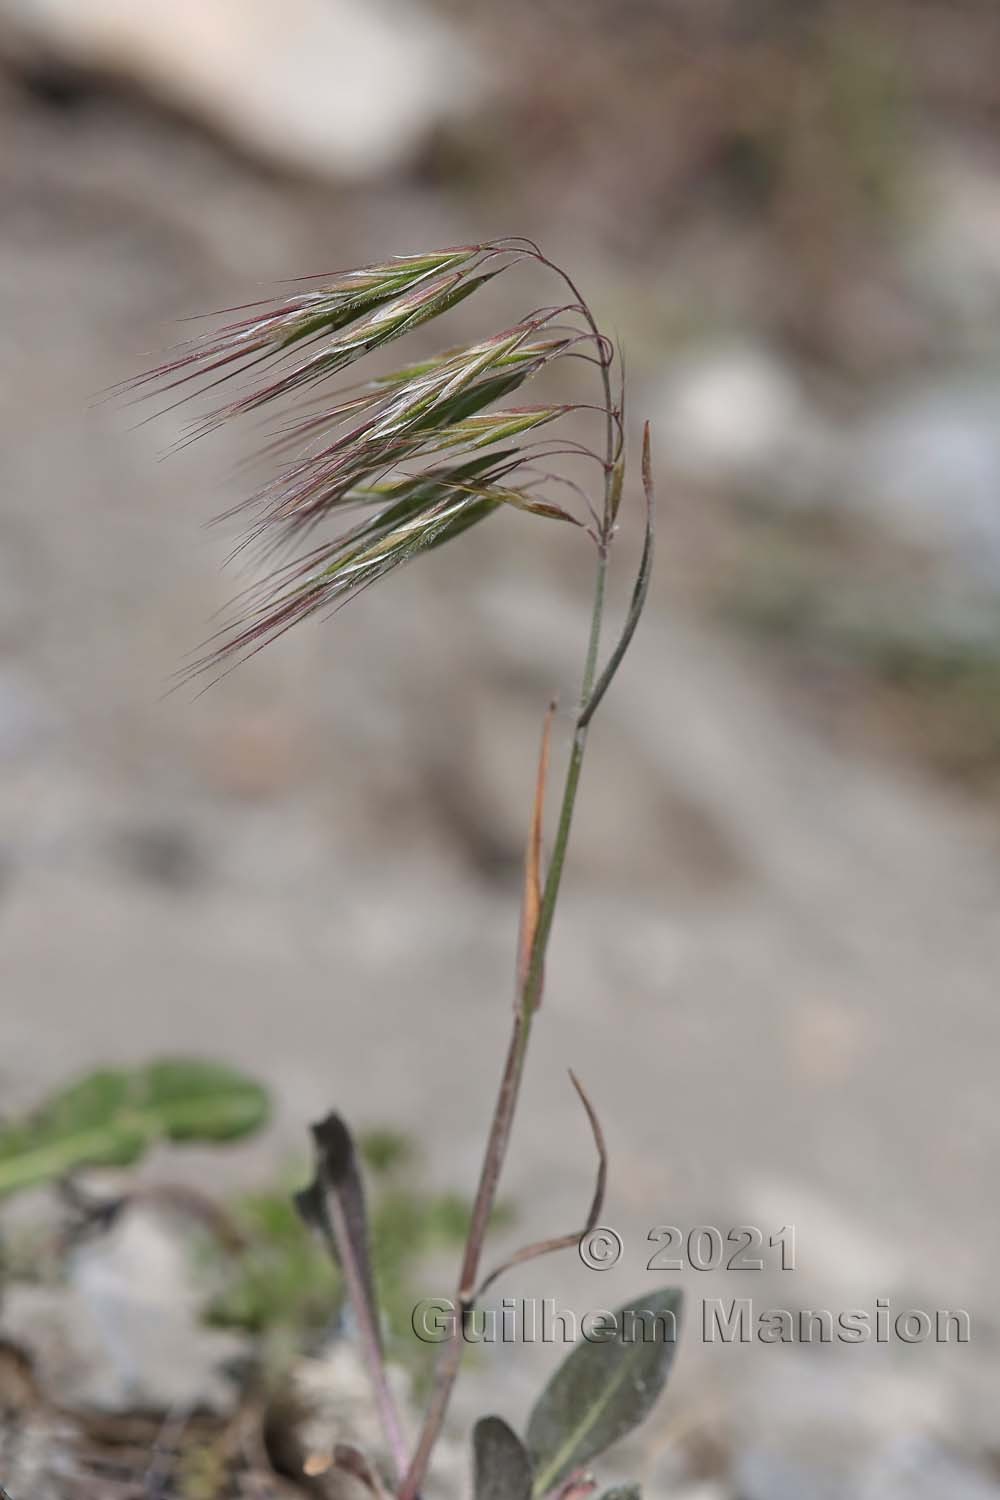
111	1117
282	1287
405	462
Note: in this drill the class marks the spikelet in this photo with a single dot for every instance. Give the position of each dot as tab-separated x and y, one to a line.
422	453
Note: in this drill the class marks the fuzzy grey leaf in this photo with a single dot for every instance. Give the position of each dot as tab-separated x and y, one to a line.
604	1388
502	1466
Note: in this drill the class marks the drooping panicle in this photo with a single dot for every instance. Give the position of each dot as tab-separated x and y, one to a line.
422	452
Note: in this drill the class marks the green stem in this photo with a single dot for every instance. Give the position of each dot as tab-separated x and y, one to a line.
550	895
510	1082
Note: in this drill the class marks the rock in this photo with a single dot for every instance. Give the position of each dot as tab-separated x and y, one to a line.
334	1388
766	1474
807	1429
737	415
335	1391
915	1467
37	1457
124	1329
340	87
952	255
928	462
706	1489
922	461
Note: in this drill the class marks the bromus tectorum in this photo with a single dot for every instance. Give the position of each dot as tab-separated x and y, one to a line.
368	477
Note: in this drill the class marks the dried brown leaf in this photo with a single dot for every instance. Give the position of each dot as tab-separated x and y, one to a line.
531	899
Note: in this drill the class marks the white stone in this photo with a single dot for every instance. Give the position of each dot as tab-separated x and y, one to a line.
736	414
952	253
928	463
126	1326
915	1467
342	87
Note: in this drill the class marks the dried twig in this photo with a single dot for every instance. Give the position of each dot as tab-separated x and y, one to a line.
531	901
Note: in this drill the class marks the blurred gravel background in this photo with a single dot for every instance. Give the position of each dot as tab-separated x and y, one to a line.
776	962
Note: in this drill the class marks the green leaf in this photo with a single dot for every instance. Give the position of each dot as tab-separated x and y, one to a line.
623	1492
110	1117
502	1468
282	1280
604	1388
384	1149
203	1101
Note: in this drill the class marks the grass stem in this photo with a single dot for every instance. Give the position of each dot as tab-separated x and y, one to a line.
510	1080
